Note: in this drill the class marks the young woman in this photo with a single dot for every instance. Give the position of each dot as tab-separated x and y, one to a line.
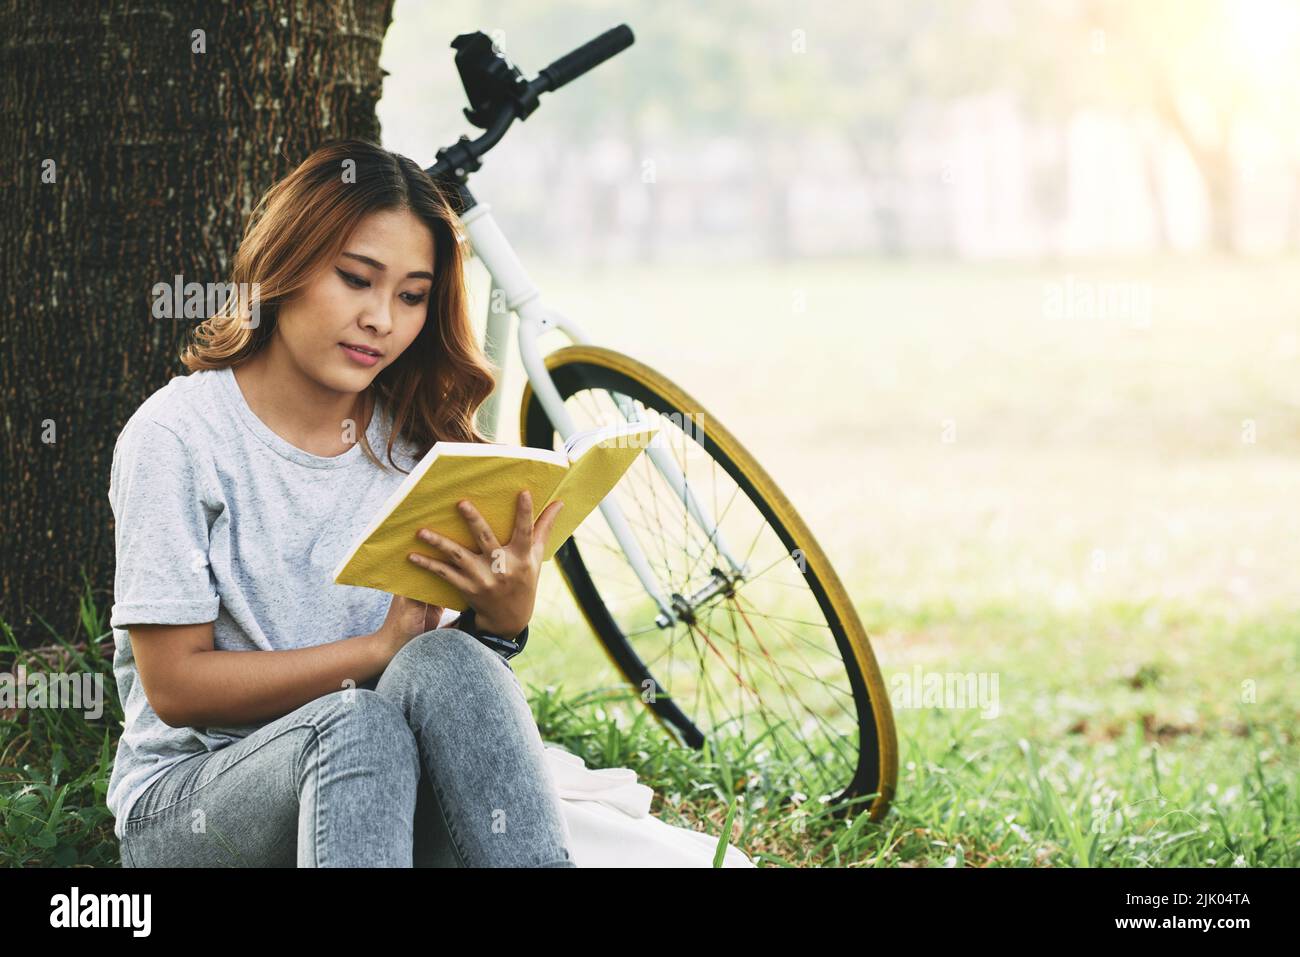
274	718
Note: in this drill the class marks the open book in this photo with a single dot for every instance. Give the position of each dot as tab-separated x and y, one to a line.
490	476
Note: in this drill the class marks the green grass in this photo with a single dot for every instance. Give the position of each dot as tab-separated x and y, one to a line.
1112	747
55	763
1098	536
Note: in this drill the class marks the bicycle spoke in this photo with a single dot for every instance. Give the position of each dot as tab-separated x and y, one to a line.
741	664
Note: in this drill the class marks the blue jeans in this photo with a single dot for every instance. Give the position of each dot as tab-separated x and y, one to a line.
439	764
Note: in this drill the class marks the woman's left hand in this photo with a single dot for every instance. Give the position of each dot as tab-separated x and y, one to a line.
500	581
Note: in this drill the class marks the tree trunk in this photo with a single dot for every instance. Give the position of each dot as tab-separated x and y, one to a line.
1217	171
138	146
1151	143
773	194
878	155
1214	162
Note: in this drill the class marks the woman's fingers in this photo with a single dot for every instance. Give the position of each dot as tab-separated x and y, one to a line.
545	522
522	531
469	566
478	526
442	569
450	552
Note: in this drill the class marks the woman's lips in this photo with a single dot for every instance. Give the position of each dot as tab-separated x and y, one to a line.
356	355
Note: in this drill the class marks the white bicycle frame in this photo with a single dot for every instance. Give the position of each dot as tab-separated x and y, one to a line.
512	291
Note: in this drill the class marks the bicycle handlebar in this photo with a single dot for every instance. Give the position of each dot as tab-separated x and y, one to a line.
500	95
591	54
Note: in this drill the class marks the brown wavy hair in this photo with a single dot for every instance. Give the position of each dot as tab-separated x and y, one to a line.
434	388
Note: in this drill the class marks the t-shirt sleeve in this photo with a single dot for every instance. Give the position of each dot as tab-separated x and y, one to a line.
161	530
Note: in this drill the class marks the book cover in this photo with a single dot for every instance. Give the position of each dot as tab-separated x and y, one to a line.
490	476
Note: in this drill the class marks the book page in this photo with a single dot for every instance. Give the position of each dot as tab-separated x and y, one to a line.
578	443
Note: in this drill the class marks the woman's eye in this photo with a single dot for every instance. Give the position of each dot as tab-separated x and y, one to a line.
356	282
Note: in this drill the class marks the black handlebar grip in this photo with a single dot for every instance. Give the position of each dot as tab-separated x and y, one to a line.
592	53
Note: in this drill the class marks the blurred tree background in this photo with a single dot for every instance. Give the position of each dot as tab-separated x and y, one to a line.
969	128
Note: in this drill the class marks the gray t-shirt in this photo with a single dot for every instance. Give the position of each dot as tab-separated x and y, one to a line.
220	519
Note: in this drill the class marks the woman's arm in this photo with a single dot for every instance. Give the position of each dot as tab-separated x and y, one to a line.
190	684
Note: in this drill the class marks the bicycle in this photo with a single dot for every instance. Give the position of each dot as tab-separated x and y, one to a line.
646	597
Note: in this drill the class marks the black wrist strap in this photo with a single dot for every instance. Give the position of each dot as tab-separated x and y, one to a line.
505	647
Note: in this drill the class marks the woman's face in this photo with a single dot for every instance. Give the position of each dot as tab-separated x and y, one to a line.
374	295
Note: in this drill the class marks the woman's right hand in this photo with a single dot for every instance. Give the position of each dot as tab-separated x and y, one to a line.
407	618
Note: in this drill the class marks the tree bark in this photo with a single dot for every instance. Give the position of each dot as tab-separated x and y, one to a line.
136	149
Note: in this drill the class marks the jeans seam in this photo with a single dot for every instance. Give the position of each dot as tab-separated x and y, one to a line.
514	677
320	798
451	830
144	818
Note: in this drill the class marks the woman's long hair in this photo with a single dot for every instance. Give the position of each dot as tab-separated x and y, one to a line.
436	385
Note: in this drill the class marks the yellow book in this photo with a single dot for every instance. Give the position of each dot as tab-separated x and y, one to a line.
491	476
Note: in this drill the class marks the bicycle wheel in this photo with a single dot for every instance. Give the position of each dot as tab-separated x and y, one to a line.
774	661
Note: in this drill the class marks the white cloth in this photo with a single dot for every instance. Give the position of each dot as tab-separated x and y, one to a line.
608	816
